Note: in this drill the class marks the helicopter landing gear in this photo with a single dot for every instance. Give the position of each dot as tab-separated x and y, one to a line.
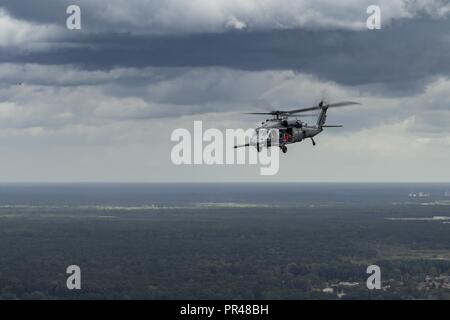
283	148
313	142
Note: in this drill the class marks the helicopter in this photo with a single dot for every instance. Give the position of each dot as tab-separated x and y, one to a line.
290	129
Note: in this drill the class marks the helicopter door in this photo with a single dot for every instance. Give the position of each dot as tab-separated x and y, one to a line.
286	136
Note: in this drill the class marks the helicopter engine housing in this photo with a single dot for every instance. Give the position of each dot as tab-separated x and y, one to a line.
291	123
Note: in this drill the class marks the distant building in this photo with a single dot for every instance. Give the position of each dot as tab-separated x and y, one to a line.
418	195
328	290
348	284
442	281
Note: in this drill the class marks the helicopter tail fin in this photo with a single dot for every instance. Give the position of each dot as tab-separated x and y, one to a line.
322	117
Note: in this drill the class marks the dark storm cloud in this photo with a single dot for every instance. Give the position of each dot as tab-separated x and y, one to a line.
40	11
400	56
101	103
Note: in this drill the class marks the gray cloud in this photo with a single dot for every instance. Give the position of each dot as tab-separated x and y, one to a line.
351	58
200	16
100	104
62	96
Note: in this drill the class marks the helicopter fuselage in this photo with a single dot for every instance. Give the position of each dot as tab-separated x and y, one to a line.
290	131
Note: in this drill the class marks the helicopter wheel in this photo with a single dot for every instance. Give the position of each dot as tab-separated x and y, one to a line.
284	149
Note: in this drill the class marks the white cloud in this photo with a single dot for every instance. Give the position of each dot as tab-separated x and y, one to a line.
433	8
65	75
235	23
190	16
15	32
94	125
59	95
386	140
193	16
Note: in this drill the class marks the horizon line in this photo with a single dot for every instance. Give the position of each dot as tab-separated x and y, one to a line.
223	182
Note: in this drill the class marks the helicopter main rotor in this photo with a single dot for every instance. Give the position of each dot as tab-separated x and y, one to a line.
321	106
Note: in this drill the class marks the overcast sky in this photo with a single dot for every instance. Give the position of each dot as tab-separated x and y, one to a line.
100	103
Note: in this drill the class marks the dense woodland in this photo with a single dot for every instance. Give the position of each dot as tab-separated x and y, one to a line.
224	253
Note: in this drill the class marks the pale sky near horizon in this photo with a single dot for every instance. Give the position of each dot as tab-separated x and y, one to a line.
100	103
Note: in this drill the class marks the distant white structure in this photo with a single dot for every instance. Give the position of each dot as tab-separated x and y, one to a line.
347	284
418	195
328	290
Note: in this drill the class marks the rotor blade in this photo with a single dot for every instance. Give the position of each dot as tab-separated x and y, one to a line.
270	113
305	115
280	113
303	110
332	105
292	112
333	126
342	104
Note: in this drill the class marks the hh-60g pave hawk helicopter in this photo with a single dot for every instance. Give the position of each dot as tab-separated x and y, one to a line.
292	130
